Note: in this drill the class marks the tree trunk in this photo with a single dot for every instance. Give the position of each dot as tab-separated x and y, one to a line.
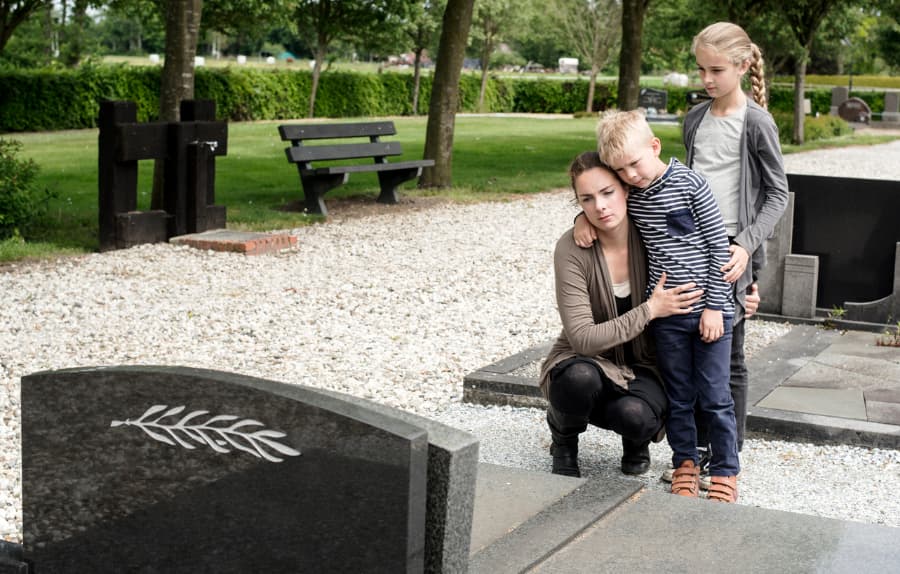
417	76
75	49
321	51
177	81
484	80
592	86
445	93
799	94
633	12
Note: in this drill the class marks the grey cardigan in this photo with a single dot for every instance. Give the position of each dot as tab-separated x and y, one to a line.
587	307
764	187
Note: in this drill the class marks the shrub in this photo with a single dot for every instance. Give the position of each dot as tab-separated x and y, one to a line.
814	128
21	202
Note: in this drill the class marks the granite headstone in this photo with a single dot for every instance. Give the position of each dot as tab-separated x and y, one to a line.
168	470
855	110
651	99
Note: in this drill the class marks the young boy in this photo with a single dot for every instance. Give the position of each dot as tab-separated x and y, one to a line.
685	237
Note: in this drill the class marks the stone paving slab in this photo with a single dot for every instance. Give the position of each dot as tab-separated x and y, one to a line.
843	403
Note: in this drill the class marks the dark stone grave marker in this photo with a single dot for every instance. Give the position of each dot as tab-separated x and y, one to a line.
850	224
648	98
855	110
168	470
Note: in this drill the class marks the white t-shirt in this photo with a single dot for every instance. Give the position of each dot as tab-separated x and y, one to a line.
717	157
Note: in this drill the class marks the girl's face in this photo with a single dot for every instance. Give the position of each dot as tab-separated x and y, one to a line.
720	77
602	197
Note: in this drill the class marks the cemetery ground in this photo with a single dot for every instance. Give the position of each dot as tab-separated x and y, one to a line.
392	306
494	158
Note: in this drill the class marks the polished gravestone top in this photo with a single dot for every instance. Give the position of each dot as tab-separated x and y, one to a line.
142	469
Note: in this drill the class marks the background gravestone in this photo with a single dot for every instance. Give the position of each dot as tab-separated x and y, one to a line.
891	106
167	469
855	110
648	98
839	95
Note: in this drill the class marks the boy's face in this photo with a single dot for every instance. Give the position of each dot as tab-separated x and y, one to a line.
639	165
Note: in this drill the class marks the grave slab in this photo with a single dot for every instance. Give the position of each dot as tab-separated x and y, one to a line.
713	538
880	412
246	242
557	509
843	403
169	469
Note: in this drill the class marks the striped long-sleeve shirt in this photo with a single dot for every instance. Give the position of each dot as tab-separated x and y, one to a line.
683	232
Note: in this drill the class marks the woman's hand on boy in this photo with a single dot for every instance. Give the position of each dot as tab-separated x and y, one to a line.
675	301
736	264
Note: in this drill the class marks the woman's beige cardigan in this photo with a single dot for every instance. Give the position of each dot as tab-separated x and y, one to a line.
587	307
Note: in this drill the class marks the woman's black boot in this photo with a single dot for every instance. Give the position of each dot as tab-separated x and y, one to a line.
564	431
635	456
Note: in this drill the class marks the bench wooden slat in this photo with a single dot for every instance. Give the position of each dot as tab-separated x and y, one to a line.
318	180
298	132
303	154
370	167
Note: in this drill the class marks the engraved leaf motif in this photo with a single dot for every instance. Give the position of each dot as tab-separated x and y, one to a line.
218	438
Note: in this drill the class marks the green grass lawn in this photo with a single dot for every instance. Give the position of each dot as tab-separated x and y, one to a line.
493	157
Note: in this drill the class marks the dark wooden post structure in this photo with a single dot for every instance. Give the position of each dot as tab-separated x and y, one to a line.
189	148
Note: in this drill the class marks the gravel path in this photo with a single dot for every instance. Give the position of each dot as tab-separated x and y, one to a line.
396	308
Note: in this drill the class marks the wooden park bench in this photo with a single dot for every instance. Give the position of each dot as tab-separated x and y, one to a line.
318	180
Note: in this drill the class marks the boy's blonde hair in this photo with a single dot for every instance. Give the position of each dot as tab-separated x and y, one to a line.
732	41
616	130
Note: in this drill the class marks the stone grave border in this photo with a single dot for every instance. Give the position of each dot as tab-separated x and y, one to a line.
512	381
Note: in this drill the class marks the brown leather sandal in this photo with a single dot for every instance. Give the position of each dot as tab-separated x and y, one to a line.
686	480
723	489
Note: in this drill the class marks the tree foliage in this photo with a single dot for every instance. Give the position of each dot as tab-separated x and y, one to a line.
13	13
324	21
594	32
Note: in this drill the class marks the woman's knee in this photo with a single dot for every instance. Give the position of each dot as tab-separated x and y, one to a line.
637	420
576	389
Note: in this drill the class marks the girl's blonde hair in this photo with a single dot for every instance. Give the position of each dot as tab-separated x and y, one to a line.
732	41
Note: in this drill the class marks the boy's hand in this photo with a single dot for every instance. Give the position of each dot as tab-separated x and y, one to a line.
585	233
736	265
711	325
751	301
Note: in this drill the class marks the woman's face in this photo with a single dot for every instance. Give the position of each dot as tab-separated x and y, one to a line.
602	197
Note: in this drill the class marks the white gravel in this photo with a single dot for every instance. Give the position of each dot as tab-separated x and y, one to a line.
396	308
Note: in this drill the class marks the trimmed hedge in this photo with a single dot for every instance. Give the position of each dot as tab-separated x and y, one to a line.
36	100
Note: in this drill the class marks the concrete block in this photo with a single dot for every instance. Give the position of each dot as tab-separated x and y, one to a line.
801	279
771	277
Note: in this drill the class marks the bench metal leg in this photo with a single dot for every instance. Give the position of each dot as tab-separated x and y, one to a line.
314	187
389	181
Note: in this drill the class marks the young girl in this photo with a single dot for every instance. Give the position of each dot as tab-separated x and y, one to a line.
733	142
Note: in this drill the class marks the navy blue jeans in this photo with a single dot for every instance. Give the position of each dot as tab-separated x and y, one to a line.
697	374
